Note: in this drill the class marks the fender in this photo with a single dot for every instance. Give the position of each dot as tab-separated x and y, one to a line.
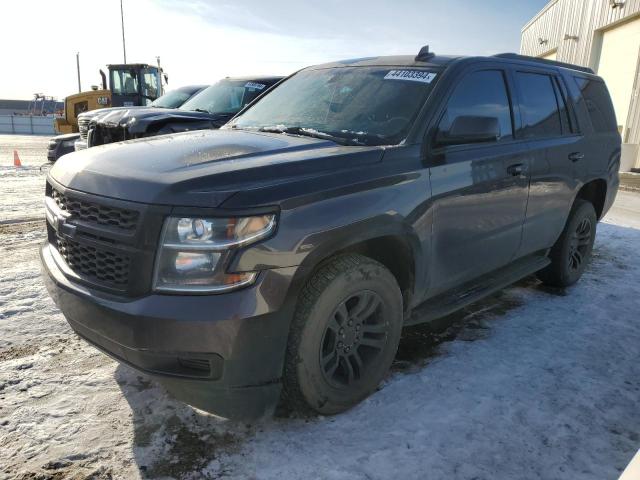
315	248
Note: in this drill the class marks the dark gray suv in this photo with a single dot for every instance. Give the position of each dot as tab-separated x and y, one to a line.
278	258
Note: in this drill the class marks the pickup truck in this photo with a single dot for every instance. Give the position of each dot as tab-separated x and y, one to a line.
67	143
210	109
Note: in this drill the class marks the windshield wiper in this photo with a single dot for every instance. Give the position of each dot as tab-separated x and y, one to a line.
200	110
304	132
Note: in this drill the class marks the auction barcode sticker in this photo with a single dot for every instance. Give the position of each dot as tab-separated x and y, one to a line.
254	85
411	75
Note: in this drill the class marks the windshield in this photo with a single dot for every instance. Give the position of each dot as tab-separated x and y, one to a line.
226	96
172	99
351	105
124	82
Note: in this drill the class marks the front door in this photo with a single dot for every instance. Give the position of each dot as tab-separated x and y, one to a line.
479	185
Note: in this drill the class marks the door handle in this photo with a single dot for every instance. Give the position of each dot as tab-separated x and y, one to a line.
575	156
515	170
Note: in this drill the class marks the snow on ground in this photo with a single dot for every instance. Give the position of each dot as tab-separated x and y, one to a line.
531	383
21	189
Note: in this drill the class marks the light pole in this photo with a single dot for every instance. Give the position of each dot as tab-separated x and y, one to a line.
78	67
124	47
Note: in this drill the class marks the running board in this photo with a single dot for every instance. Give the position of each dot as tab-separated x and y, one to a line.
449	302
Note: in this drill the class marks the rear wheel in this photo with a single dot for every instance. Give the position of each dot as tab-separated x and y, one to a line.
344	335
571	253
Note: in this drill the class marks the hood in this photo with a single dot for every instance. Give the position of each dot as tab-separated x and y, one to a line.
94	114
203	168
138	119
65	136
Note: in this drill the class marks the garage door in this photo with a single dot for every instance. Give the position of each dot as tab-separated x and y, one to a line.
618	66
550	56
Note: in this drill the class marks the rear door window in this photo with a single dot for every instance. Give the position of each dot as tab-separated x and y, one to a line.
480	94
598	103
539	105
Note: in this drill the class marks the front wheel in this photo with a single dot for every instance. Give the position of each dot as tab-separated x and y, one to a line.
571	253
344	335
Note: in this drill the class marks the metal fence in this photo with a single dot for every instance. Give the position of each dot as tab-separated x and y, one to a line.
26	125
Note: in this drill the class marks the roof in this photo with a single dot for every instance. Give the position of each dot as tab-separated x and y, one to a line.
189	88
267	79
553	63
130	65
15	104
440	61
25	105
539	14
395	61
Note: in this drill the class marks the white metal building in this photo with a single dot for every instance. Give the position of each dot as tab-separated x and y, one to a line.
603	35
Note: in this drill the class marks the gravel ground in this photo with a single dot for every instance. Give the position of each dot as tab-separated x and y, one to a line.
531	383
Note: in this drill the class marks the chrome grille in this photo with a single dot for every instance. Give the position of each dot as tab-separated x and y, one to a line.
83	127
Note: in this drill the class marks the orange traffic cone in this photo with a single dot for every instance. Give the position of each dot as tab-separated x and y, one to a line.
16	159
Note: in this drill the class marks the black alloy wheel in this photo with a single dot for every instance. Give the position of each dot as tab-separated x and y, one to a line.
571	253
344	335
354	338
580	244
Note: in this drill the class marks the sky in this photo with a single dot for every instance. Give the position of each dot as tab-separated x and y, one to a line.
201	41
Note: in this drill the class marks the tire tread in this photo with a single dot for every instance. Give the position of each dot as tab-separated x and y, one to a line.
292	396
554	274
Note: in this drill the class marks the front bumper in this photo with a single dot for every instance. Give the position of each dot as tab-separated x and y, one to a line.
221	353
58	148
80	144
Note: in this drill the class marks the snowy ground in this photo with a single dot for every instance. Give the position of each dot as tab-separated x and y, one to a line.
22	189
528	384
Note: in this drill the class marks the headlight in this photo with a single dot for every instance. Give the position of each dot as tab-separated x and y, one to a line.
193	252
69	143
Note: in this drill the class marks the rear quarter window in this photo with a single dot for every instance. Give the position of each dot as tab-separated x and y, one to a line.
598	104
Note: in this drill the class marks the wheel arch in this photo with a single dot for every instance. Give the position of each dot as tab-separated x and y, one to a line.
595	192
392	245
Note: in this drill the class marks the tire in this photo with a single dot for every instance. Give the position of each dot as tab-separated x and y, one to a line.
572	251
344	336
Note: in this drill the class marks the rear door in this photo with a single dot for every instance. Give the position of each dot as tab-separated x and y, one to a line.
479	189
557	152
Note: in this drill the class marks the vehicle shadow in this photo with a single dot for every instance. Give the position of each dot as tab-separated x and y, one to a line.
419	343
171	439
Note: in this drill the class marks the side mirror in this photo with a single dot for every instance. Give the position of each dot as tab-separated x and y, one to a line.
470	129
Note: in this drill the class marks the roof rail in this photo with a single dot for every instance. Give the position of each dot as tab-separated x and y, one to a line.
526	58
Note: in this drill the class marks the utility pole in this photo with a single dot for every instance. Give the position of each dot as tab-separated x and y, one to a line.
124	48
159	78
78	67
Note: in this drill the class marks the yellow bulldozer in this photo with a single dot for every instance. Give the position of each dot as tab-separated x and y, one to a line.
132	84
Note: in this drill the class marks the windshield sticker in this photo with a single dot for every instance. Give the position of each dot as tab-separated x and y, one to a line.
411	75
254	85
